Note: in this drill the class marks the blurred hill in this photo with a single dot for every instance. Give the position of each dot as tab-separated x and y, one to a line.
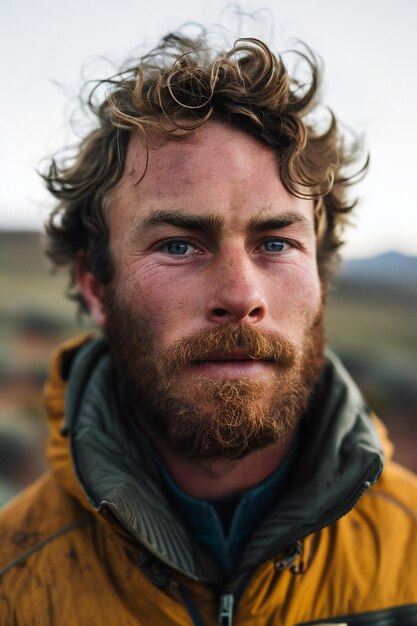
371	324
387	274
372	312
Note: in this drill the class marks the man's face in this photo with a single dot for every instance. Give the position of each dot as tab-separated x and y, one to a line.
214	314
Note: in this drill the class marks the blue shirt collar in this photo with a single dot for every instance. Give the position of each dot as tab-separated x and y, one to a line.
203	521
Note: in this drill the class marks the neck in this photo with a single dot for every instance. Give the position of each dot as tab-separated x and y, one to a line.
221	479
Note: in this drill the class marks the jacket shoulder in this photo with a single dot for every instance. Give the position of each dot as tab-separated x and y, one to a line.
396	492
380	540
393	498
34	518
390	508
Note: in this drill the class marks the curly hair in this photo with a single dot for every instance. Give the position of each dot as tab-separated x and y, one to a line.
175	89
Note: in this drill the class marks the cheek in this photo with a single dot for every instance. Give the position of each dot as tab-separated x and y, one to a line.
295	299
169	303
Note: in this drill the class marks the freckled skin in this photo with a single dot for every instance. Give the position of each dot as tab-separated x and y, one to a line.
223	171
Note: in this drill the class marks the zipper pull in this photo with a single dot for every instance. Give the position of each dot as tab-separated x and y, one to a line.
226	609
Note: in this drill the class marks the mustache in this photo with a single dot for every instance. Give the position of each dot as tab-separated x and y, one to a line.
227	338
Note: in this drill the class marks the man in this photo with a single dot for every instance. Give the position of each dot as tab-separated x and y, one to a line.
209	464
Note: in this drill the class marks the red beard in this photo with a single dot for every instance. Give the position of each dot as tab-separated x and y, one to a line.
200	417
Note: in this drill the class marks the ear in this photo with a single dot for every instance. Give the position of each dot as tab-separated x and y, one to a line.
92	290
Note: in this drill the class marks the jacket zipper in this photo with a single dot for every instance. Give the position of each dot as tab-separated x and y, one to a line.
226	602
230	597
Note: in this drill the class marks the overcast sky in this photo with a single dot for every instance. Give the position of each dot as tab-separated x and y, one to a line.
369	48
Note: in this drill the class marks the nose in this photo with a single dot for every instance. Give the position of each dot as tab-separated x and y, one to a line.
236	294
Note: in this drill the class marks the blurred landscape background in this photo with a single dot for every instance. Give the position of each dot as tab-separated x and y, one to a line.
371	324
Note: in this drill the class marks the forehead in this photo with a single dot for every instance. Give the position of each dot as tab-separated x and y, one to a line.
218	169
206	152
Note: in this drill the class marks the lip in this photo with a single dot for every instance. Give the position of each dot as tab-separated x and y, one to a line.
234	355
232	365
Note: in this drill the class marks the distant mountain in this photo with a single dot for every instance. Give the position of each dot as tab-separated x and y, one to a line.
388	271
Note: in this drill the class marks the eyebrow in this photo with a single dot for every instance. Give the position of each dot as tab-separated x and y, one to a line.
214	223
211	223
276	222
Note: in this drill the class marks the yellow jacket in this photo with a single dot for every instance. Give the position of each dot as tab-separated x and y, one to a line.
95	542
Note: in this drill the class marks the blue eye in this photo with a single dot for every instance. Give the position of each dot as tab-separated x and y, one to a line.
275	245
178	247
